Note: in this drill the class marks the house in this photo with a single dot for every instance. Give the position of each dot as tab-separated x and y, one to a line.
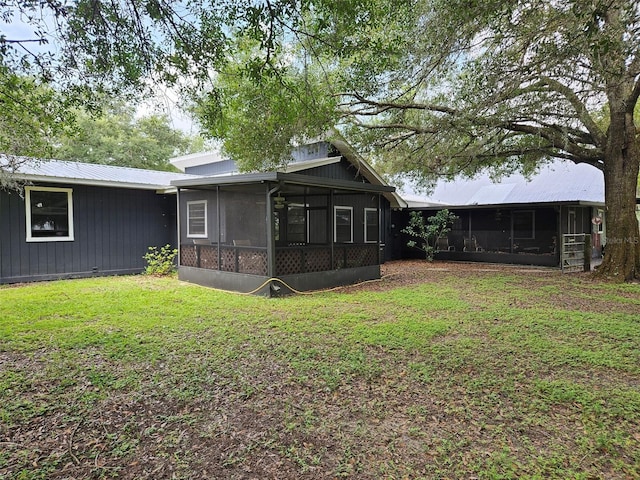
516	220
79	220
326	219
319	222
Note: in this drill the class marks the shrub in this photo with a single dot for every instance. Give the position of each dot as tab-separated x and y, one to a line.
427	232
160	262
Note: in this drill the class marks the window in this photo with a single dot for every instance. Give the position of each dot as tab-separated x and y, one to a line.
197	219
49	214
343	224
371	230
524	226
297	223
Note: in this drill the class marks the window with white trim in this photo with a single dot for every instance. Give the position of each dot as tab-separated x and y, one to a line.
49	213
197	219
343	224
371	230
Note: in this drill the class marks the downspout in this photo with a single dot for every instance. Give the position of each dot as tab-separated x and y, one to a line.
381	230
332	215
179	237
219	225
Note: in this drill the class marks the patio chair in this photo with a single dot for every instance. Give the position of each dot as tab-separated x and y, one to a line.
471	245
442	245
242	243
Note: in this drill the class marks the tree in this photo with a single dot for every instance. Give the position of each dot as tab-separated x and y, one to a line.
116	137
32	116
426	233
443	87
432	87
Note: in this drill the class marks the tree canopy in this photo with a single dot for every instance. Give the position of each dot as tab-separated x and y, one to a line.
439	88
116	137
426	87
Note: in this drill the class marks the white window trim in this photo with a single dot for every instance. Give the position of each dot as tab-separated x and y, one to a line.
366	240
335	222
69	192
206	222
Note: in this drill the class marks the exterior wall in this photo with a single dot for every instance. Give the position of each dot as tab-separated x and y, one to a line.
216	168
112	230
342	170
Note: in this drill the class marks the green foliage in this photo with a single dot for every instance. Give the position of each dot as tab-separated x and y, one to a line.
260	112
428	232
116	137
160	262
33	115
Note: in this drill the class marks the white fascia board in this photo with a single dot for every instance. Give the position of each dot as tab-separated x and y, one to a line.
196	159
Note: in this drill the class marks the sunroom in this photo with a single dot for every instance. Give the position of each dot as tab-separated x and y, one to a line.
276	233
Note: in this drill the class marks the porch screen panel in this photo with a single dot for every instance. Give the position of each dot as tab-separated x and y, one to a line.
244	216
524	225
318	228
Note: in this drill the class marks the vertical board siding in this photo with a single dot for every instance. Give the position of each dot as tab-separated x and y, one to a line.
113	228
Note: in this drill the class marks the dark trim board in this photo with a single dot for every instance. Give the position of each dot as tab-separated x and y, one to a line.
70	276
265	286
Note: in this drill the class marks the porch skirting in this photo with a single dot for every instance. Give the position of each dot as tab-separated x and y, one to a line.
544	260
284	285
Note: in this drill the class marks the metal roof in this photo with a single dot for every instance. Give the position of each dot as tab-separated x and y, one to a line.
557	182
60	171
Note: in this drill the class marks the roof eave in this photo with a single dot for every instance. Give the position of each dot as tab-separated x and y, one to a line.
95	183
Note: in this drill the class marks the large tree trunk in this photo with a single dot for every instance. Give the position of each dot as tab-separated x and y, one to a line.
622	161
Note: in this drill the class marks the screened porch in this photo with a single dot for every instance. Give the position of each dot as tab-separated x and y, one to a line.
308	232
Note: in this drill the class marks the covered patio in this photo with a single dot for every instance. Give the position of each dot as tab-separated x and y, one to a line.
275	233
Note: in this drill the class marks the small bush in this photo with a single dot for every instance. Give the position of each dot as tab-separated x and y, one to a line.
426	232
160	262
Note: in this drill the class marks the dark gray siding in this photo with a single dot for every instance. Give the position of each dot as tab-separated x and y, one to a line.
342	170
216	168
112	230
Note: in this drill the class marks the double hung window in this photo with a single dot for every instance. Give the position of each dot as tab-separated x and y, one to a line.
197	219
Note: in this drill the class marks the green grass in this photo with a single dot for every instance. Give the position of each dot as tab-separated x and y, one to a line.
469	375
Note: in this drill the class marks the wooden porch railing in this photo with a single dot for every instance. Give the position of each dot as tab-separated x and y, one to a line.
290	260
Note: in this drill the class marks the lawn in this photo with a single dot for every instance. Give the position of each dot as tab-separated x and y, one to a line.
437	371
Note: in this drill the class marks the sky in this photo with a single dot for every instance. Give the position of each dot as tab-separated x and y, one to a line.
165	101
